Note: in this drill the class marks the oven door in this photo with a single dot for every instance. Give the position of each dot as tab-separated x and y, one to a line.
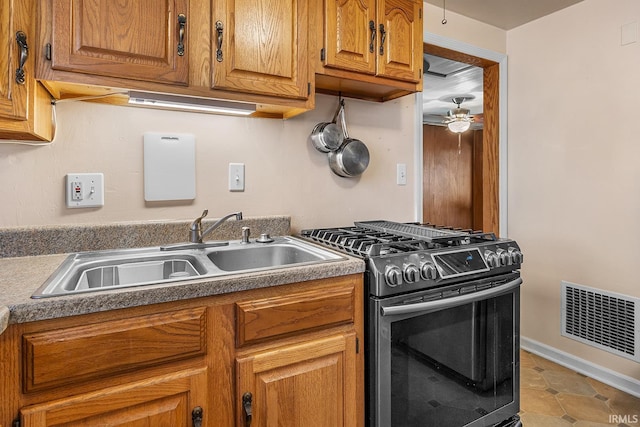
446	358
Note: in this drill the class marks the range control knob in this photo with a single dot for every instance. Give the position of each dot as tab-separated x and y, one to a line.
428	271
504	257
411	273
492	259
516	256
393	275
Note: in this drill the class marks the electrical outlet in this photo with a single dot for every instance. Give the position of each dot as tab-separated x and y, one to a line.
236	176
84	190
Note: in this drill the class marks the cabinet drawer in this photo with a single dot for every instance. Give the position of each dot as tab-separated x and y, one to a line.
64	356
261	319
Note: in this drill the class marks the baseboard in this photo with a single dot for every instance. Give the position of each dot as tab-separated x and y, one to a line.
614	379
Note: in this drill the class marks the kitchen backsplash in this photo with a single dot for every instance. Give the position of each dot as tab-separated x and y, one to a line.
43	240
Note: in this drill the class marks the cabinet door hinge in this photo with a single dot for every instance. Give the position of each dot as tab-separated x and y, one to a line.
308	88
420	14
322	54
357	345
16	423
47	51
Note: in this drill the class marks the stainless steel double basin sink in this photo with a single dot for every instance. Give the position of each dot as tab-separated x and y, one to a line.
103	270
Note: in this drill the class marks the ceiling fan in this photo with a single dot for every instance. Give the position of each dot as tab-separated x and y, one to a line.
458	119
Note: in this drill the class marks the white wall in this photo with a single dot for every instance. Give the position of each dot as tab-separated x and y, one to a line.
285	175
574	176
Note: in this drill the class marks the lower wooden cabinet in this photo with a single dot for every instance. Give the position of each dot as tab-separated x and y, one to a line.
285	355
174	400
310	384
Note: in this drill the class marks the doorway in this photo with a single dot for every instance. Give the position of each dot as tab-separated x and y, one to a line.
464	191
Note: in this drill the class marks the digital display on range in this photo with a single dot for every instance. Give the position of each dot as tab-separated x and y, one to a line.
460	263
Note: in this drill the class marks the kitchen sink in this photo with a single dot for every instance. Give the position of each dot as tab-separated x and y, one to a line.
106	270
261	257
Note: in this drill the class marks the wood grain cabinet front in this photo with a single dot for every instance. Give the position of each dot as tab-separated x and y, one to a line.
310	384
374	42
142	40
25	106
251	51
172	400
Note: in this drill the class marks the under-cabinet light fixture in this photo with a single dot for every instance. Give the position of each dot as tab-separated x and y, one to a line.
186	103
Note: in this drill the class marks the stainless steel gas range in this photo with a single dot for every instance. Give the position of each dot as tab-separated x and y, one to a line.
442	326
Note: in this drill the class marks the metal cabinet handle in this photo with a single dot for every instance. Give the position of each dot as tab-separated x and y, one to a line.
247	399
196	416
21	39
372	27
219	29
383	36
182	23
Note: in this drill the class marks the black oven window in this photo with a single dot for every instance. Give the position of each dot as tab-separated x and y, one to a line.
452	367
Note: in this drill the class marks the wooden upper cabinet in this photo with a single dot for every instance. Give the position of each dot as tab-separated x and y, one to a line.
25	108
400	36
261	46
141	40
377	37
350	29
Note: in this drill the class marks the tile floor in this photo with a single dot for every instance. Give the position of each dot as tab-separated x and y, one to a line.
554	396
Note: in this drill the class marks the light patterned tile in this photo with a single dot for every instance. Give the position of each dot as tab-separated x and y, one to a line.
540	402
568	382
584	408
530	378
539	420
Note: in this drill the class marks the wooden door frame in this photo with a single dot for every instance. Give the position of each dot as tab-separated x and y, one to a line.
493	196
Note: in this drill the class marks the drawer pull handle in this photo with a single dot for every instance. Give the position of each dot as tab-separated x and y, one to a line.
21	39
219	29
372	27
182	23
383	36
196	416
247	399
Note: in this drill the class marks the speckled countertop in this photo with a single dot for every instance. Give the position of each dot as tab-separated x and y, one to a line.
21	276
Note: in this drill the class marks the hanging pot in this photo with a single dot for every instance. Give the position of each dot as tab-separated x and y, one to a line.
327	136
352	157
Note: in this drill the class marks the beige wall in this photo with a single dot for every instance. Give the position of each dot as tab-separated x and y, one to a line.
574	176
285	175
464	29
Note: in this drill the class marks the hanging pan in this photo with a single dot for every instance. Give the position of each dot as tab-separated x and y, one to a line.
352	157
327	136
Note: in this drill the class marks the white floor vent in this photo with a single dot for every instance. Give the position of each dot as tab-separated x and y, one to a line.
601	319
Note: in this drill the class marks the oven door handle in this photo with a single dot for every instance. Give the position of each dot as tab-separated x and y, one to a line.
445	303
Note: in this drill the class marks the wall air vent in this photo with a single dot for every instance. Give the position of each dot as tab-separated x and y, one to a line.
605	320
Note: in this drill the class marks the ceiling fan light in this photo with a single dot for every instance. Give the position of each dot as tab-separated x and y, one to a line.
458	126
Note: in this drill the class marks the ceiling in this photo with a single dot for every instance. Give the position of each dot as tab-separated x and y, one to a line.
445	79
505	14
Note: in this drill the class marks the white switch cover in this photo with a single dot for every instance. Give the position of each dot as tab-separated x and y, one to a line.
84	190
401	174
236	176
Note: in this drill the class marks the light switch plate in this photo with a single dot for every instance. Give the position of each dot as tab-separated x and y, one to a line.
236	176
401	174
84	190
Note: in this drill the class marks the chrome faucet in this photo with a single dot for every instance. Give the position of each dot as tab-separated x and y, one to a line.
196	233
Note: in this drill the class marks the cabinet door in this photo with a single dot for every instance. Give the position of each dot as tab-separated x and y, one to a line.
25	107
162	401
312	384
350	35
400	54
129	39
261	46
13	96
